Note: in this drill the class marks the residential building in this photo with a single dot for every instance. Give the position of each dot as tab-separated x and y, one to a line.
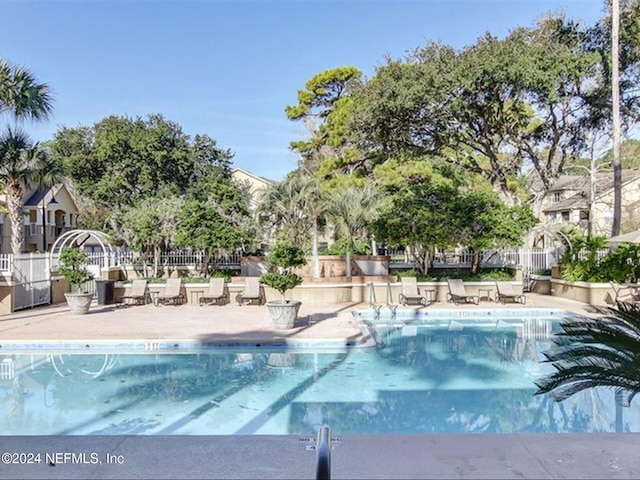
568	202
48	213
251	185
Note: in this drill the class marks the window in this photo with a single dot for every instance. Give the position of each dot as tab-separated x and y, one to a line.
608	217
557	196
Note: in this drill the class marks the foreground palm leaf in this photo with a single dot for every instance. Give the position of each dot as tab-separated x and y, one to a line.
602	352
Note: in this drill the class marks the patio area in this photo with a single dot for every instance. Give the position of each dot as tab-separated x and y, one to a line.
215	324
493	456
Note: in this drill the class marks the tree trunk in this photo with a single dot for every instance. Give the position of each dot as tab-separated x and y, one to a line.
475	261
14	206
314	253
615	121
374	246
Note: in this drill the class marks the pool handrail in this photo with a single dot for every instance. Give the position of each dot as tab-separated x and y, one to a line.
323	453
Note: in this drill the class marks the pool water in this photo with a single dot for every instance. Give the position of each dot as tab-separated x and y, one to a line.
456	375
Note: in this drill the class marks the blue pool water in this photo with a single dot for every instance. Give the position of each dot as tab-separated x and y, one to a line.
436	374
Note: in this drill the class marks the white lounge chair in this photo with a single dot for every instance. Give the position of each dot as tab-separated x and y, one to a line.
171	293
506	292
138	294
216	292
458	294
251	291
410	292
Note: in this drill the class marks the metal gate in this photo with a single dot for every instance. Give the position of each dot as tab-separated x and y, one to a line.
32	280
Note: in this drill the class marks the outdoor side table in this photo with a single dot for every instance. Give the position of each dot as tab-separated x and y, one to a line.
431	295
486	296
195	296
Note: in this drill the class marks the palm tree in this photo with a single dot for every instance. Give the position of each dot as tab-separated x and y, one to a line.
293	208
590	352
21	96
352	209
22	164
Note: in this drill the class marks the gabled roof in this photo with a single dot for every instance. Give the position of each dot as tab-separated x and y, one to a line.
604	181
574	202
258	178
37	197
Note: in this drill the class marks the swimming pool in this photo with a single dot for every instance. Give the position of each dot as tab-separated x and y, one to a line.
455	373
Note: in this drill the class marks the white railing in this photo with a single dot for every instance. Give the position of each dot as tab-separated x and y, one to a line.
171	259
530	258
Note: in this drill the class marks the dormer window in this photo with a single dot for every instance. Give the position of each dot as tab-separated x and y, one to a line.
557	196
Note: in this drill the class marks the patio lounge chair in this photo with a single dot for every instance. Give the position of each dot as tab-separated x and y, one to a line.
138	294
506	292
457	293
251	291
215	294
171	293
410	292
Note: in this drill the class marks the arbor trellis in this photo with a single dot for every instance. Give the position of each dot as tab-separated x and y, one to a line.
78	238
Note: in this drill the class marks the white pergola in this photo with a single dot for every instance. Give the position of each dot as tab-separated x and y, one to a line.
80	236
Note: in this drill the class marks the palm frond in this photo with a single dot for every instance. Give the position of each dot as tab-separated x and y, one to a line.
600	352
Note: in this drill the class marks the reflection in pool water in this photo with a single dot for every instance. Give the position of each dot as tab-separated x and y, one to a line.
455	376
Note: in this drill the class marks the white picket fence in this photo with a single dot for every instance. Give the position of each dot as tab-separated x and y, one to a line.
529	258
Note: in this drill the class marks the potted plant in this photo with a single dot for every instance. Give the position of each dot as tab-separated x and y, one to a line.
283	258
73	263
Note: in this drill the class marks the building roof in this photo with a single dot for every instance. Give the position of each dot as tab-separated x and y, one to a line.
581	185
574	202
604	181
37	197
258	178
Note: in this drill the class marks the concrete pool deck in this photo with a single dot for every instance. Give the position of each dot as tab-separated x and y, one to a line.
214	324
497	456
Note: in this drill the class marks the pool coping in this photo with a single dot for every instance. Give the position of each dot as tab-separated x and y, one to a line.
366	338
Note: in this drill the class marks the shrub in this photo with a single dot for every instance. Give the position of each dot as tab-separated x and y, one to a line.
73	261
340	247
284	257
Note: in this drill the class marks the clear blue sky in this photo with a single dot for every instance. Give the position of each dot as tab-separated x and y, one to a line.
228	68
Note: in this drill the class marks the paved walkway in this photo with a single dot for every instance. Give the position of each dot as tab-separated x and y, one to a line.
354	456
213	324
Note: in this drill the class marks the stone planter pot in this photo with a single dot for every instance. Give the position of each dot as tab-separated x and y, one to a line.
284	315
79	303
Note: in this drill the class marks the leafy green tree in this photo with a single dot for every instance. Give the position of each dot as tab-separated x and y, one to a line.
121	160
482	221
210	161
490	108
324	107
429	211
149	227
418	218
213	229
